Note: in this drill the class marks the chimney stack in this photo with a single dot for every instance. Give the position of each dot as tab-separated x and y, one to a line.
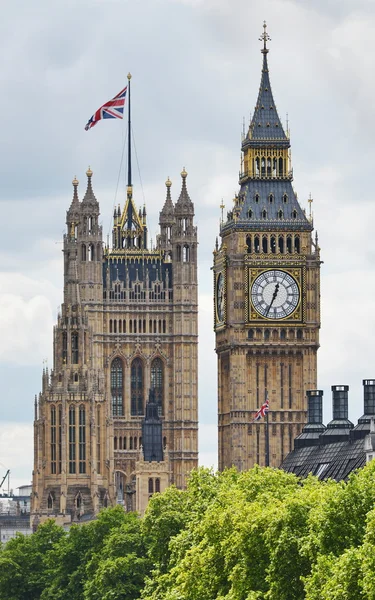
338	430
314	426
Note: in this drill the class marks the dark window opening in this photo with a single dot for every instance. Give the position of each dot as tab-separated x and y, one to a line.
137	392
157	382
74	341
117	384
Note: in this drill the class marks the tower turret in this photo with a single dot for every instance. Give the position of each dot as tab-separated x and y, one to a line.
166	222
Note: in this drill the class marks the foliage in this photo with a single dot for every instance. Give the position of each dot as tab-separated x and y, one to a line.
258	535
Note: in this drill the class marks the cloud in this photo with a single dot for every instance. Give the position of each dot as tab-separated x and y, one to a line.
16	449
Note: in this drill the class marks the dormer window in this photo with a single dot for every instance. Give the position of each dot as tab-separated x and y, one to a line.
271	198
294	214
280	214
264	214
256	198
285	198
250	213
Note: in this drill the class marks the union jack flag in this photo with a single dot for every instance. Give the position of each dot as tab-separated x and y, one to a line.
261	413
113	109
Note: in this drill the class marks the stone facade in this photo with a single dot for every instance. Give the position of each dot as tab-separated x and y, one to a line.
128	325
266	299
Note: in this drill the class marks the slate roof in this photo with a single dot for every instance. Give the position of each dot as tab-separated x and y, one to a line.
333	453
272	195
335	461
265	124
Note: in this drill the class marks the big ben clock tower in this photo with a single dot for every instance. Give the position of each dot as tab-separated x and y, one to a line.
266	297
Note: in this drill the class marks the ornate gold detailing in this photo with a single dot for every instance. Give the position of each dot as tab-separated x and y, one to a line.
129	76
264	38
89	173
168	183
298	274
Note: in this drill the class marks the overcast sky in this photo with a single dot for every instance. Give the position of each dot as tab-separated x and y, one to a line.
196	70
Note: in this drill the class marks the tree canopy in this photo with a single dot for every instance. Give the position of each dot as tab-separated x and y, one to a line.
262	534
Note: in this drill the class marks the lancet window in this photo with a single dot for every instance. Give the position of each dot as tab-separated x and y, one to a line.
137	385
157	382
117	387
82	439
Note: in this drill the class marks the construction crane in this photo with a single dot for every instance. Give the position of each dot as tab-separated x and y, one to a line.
4	478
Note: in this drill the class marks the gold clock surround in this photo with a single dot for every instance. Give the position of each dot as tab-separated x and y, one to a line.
297	273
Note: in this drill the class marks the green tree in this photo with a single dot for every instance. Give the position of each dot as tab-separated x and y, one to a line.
23	572
68	561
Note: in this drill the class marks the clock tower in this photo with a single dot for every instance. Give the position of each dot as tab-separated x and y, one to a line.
266	298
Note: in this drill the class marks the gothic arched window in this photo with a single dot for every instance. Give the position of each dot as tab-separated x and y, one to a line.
74	340
265	244
150	486
256	244
186	253
50	500
83	253
72	439
53	439
64	346
157	484
59	446
157	382
82	439
297	244
137	392
273	244
248	244
117	385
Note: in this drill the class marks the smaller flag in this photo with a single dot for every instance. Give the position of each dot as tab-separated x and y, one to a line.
261	413
113	109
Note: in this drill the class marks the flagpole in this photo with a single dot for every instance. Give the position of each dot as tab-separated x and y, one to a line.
267	435
129	138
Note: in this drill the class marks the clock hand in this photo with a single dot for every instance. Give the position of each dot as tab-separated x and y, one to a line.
273	298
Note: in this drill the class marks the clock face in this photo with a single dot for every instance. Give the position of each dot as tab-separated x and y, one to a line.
220	297
275	294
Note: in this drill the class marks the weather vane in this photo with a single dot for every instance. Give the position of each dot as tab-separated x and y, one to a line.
265	38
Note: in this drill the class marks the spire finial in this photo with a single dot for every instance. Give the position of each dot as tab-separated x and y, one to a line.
264	38
222	206
310	201
75	183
